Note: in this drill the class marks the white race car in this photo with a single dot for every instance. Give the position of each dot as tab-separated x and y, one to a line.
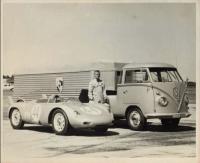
61	114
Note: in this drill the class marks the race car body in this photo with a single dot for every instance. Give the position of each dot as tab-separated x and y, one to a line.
61	114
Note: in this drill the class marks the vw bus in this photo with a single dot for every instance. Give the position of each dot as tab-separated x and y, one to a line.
149	91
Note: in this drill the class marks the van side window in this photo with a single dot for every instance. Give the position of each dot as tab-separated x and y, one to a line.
136	76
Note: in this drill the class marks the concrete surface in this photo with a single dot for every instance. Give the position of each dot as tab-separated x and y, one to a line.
35	141
40	142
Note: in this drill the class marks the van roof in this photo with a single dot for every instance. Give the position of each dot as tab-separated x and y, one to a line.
147	65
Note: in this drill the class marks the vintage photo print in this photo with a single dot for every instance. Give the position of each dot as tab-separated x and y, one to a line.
93	81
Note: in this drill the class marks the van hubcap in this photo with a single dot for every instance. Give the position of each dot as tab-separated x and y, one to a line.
16	117
59	122
135	118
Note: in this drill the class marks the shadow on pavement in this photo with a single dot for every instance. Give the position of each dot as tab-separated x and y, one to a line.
120	124
44	129
72	132
157	127
160	128
90	132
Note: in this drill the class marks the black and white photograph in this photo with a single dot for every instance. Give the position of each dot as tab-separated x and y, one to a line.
108	80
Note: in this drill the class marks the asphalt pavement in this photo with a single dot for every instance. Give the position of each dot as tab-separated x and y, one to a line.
35	141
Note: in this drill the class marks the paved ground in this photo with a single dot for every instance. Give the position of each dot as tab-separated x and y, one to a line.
40	142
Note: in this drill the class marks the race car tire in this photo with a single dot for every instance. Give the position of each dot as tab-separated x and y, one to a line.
16	119
136	119
171	122
60	122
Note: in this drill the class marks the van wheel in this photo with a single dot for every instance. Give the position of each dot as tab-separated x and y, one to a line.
170	122
60	122
16	119
136	119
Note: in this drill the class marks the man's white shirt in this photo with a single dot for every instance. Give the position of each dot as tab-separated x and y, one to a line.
97	91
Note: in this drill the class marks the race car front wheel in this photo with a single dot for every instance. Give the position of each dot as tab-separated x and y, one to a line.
16	119
60	122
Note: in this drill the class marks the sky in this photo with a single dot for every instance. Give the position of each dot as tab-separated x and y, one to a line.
42	36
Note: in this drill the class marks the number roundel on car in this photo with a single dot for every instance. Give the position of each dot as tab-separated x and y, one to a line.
35	113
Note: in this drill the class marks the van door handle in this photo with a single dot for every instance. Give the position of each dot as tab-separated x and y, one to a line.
124	92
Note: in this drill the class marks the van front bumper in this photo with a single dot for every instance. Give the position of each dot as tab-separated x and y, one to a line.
167	115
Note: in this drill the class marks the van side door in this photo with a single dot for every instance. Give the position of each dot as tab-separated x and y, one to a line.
136	89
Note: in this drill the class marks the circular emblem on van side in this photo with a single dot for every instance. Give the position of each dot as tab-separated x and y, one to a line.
176	93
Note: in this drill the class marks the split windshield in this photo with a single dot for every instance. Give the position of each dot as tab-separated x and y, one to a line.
164	74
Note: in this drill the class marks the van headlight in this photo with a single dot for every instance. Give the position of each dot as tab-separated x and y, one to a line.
163	101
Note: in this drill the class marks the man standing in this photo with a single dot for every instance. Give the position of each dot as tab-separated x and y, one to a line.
96	91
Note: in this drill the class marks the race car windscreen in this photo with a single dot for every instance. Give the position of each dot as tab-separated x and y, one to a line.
164	74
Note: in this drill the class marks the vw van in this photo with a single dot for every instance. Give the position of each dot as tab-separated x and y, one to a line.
148	91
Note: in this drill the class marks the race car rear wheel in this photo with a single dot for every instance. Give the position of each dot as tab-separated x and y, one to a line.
16	119
60	122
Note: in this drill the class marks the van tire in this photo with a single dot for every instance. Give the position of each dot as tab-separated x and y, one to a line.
136	119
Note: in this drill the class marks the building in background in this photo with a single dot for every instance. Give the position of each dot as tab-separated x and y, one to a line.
32	85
